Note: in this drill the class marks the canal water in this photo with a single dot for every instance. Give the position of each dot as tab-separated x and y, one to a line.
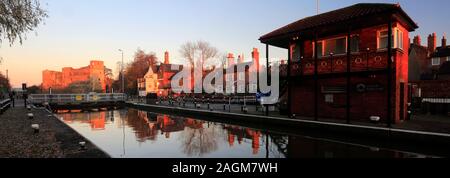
131	133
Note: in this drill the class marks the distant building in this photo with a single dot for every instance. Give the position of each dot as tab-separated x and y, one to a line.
96	75
418	60
158	79
440	55
426	61
148	84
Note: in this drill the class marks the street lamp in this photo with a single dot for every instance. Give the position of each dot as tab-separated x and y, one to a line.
121	73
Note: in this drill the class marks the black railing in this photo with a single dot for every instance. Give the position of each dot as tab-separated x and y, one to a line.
5	105
360	61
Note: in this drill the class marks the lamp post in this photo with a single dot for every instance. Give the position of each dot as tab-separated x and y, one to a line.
121	73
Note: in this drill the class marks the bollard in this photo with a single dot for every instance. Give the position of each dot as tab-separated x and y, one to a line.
82	145
294	116
375	119
245	109
30	115
224	107
29	108
35	128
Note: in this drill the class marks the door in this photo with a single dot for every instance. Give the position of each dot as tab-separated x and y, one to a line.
402	101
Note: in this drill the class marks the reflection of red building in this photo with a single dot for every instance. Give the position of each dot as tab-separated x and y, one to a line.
346	52
241	133
147	125
97	120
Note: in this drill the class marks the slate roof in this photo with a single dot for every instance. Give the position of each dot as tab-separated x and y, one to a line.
340	15
441	52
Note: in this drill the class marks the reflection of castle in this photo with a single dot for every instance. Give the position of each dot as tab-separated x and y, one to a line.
241	133
96	119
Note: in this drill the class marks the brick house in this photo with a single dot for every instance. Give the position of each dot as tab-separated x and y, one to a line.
426	61
339	65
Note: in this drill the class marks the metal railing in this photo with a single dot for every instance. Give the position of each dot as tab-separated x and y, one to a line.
77	98
5	105
359	61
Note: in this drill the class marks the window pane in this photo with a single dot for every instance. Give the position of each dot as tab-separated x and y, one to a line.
319	49
354	43
436	61
340	46
296	53
383	42
399	39
330	46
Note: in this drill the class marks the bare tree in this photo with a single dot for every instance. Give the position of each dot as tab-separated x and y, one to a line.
203	49
17	17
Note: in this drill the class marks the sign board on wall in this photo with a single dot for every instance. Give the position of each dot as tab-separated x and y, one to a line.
329	98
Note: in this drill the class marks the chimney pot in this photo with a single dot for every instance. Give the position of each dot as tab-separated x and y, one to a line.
444	42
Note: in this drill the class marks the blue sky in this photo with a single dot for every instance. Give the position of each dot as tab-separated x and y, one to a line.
82	30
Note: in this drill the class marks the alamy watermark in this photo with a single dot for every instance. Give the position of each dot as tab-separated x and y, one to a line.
241	78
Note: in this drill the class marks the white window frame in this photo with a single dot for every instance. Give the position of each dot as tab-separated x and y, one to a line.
397	38
323	44
379	38
435	61
448	58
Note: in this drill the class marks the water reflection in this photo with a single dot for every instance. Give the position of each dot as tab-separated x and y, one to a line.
134	133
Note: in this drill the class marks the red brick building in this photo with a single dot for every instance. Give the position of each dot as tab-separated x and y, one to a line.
339	65
95	73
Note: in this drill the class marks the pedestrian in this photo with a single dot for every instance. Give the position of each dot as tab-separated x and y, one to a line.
12	96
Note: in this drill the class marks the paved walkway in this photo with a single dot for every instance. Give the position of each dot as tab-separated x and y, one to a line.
427	123
54	140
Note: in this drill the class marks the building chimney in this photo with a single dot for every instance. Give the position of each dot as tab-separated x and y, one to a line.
431	43
230	58
241	59
417	40
444	42
166	58
255	56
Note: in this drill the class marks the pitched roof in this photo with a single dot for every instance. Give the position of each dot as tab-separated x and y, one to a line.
337	16
445	68
441	52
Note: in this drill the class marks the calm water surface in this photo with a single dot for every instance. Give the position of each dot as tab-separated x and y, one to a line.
131	133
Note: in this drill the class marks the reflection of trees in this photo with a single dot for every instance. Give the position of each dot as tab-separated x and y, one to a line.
197	142
143	130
